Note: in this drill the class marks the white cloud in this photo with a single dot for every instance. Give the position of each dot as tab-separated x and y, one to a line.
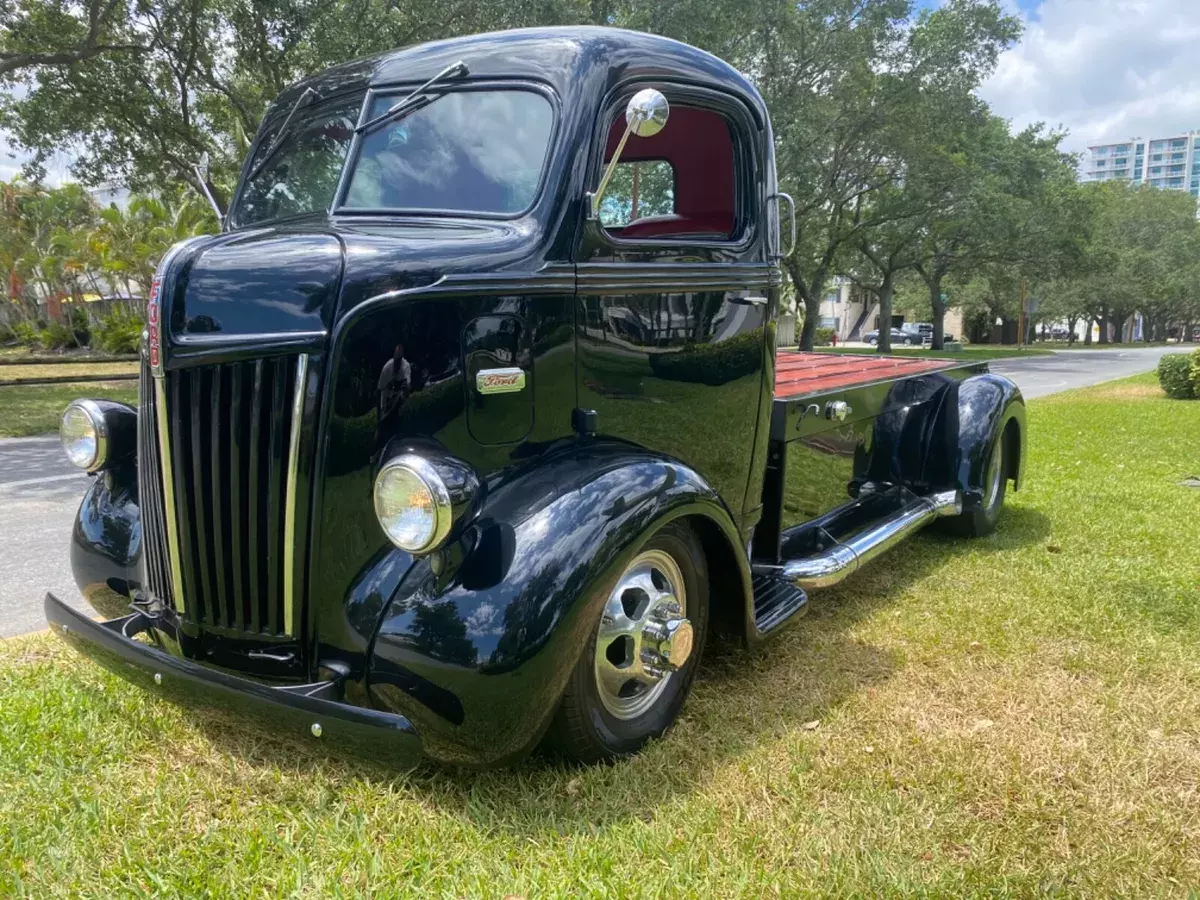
1108	70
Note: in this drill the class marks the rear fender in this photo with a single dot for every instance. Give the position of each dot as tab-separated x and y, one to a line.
975	415
478	641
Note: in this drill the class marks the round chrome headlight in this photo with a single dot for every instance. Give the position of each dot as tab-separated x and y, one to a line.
84	434
412	504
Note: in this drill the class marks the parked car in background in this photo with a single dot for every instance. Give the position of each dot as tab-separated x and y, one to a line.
910	334
923	331
898	337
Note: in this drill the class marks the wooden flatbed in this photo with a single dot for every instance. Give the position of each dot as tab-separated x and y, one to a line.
800	374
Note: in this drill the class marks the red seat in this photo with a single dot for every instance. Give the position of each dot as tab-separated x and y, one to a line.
673	225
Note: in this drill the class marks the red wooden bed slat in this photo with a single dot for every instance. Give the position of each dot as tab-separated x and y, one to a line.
798	373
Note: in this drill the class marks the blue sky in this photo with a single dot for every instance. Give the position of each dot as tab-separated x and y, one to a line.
1107	70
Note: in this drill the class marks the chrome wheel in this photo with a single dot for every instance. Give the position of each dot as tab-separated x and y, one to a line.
644	635
993	477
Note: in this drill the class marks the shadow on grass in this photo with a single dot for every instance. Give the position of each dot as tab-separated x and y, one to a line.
741	699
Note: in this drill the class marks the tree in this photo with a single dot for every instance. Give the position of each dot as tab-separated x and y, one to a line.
837	74
35	33
1138	256
157	83
1015	204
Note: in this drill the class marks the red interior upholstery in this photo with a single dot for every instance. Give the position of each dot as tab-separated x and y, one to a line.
699	147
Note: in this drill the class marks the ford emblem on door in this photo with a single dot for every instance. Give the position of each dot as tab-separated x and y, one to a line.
500	381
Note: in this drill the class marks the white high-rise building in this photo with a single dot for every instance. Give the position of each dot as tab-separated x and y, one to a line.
1171	163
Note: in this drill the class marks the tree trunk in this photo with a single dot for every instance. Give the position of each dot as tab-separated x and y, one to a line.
1102	321
1072	321
810	293
886	289
1187	332
1087	333
939	311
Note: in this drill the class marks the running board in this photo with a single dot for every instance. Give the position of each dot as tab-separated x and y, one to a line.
844	558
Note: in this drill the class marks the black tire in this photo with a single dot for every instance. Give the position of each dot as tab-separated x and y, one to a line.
583	729
982	522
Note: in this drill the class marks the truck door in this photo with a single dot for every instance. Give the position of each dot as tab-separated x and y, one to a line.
675	288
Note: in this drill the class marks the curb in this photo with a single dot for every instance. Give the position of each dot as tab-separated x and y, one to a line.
66	379
66	360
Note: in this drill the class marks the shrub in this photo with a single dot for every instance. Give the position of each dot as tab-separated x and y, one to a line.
119	332
80	325
26	333
6	333
57	336
1195	373
823	337
1176	373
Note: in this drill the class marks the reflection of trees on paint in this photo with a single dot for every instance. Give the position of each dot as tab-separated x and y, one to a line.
439	631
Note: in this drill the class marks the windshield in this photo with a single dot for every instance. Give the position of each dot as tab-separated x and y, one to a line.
479	151
302	175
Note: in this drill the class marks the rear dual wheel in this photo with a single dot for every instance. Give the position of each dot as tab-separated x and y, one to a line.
636	671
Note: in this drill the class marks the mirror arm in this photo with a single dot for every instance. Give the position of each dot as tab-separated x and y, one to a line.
612	167
212	201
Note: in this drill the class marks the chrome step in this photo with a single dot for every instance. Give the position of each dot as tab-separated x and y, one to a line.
775	601
844	558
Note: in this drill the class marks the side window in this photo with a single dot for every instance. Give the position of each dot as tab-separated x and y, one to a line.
681	183
638	190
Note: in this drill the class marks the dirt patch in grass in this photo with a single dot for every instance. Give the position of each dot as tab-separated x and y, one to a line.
1124	391
1009	717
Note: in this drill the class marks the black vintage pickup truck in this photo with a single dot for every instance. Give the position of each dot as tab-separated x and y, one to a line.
468	431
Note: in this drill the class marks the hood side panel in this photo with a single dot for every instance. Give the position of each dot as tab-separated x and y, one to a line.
257	283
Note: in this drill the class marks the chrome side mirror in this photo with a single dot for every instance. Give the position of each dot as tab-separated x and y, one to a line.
645	116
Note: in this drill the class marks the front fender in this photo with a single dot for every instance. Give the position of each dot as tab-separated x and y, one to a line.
978	412
106	542
477	642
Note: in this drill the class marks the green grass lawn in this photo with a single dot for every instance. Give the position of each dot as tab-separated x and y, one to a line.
1015	716
36	409
970	351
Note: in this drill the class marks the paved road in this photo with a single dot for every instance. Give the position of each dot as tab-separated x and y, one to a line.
40	490
1067	369
39	493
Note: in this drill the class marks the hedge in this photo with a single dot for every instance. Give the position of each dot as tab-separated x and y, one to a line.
1177	374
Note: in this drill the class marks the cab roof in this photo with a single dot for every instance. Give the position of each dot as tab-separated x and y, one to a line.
579	63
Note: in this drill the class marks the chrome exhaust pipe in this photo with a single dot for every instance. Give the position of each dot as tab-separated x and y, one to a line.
846	557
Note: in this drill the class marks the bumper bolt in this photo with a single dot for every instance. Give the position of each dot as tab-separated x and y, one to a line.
316	729
158	677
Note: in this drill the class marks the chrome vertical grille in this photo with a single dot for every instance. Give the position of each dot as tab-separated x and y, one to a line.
228	434
155	559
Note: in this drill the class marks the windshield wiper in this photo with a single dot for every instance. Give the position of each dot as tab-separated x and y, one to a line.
305	98
415	100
